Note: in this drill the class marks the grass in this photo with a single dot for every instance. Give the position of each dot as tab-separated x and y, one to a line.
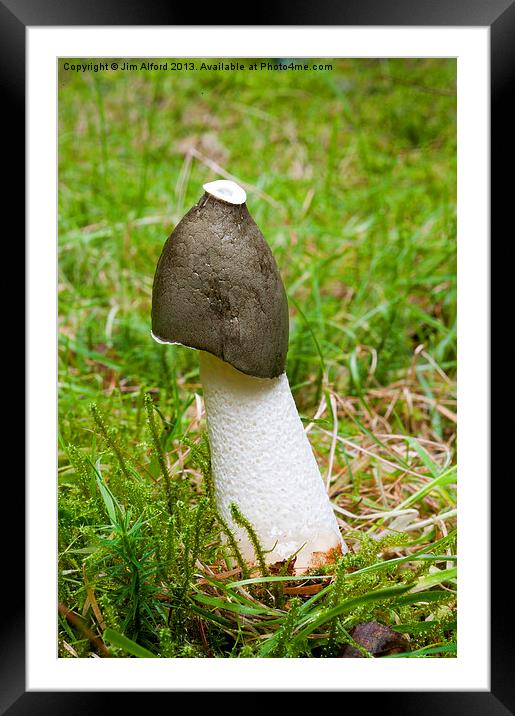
351	175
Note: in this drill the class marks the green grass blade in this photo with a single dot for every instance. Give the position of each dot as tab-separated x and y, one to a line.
378	595
425	651
129	646
446	478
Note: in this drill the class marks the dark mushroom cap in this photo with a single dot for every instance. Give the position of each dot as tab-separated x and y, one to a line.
217	288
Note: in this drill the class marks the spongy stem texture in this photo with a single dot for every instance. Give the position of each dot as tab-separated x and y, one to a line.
263	462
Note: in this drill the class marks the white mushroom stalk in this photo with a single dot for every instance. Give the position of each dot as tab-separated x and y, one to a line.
217	288
262	461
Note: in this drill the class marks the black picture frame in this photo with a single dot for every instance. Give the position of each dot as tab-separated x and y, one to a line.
499	16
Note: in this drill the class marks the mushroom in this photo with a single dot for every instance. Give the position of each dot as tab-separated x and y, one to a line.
217	288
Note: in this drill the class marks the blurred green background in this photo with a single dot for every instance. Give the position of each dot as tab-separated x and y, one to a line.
350	174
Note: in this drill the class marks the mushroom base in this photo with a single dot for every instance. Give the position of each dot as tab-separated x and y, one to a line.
262	461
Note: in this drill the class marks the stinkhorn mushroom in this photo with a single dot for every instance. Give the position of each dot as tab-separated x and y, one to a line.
217	288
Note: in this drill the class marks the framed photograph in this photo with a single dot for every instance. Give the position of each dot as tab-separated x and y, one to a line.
242	440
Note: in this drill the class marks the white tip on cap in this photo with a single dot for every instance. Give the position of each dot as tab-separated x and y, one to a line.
226	190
